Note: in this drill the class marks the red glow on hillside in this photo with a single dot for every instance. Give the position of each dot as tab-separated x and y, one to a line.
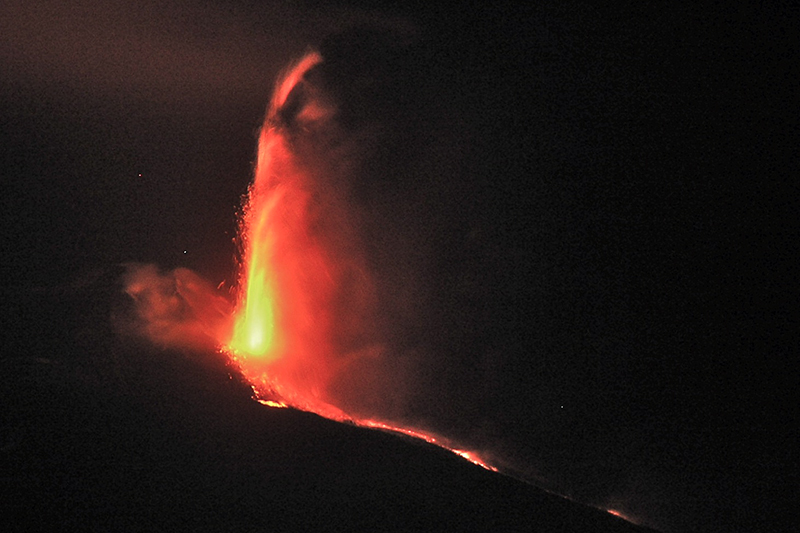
472	457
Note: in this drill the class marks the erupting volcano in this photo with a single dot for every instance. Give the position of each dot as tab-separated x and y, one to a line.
285	265
299	329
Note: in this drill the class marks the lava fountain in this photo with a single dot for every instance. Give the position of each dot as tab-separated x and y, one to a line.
305	289
300	328
301	278
282	322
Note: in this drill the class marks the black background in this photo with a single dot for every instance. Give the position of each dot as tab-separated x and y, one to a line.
627	181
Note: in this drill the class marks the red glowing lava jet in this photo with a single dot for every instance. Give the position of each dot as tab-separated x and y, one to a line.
286	328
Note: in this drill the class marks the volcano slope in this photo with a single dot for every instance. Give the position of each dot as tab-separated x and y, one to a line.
106	434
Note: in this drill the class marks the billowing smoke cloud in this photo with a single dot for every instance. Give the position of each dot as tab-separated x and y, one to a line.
175	309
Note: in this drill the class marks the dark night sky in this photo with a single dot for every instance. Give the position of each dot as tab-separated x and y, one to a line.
625	176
